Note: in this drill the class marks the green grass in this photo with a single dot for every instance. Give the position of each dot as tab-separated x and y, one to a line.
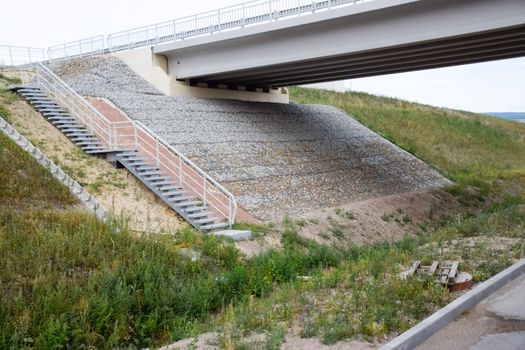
24	184
464	146
68	280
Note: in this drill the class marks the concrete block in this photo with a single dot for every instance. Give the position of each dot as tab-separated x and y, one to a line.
236	235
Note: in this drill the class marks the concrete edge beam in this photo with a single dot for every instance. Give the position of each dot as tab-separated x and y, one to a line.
422	331
78	191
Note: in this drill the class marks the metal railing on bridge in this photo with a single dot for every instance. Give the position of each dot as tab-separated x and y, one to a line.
17	56
228	18
206	23
77	49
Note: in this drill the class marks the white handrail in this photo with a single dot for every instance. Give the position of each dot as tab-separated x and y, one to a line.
227	18
232	210
96	122
124	135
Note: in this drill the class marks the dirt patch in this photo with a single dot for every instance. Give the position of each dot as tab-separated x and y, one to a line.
292	341
387	218
117	189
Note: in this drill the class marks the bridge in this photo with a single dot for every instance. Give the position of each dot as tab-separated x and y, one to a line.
252	50
366	39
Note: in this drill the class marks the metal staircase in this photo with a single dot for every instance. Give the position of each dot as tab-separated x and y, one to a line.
176	187
61	119
191	208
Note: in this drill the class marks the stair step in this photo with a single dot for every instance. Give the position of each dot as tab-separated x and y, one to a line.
214	226
174	194
148	174
29	88
180	198
205	221
33	93
57	113
167	184
170	187
64	122
92	147
69	132
60	117
146	168
82	138
51	108
77	134
201	214
98	151
88	142
153	180
201	209
42	102
127	154
195	204
134	159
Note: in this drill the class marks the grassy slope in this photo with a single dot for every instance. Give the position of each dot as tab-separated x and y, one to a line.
68	280
465	146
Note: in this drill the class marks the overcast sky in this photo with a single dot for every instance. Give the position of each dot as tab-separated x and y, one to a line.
486	87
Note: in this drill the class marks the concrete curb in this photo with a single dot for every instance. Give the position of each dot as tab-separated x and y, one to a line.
75	188
423	330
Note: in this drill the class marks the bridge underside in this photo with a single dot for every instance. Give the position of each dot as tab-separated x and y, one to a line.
368	39
480	47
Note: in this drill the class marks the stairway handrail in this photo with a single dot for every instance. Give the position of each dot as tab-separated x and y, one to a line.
86	114
71	99
196	168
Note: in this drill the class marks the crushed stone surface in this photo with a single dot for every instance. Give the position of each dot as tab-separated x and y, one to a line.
277	159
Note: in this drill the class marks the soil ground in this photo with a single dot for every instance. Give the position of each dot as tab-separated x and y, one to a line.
380	219
116	189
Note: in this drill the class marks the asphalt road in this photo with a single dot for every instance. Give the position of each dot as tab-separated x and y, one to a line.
497	323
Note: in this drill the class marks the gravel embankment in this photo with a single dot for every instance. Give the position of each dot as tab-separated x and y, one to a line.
277	159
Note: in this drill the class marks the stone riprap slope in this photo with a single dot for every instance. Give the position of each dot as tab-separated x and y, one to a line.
277	159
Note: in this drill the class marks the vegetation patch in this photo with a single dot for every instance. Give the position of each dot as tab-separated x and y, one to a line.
467	147
68	280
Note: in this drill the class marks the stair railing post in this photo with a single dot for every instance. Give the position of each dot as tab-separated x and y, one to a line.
180	171
174	30
11	56
114	132
204	186
218	20
243	22
136	140
270	9
157	156
230	211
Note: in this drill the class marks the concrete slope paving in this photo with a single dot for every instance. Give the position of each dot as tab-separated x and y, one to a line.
277	159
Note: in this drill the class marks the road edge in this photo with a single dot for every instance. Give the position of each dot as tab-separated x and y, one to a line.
426	328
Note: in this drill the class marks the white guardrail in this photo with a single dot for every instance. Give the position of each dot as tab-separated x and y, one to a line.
133	135
17	56
228	18
80	48
206	23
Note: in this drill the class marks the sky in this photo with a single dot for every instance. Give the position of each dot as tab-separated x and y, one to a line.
486	87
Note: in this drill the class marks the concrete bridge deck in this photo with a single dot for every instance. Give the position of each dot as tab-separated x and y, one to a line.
366	39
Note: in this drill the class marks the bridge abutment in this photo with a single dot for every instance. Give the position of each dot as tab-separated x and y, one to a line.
154	69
